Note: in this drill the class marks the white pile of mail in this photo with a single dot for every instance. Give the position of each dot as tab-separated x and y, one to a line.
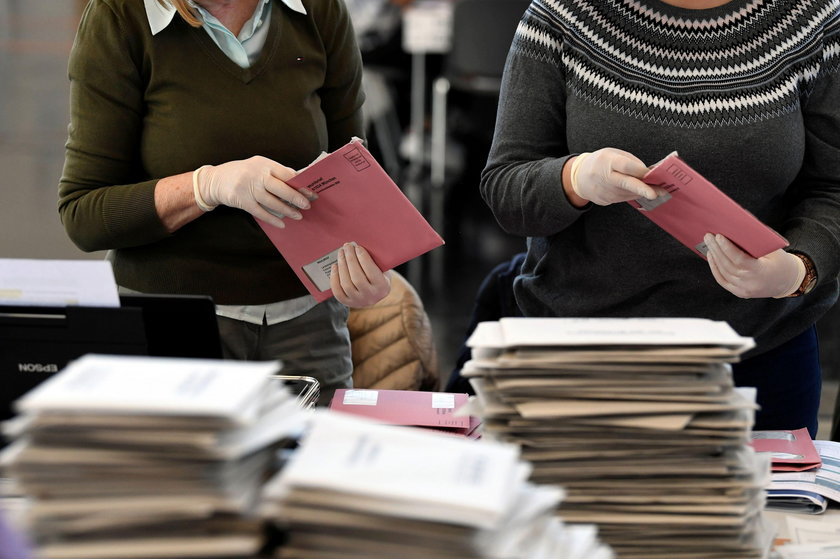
639	421
139	457
359	489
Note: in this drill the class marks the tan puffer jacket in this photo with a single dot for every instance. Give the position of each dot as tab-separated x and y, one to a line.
393	347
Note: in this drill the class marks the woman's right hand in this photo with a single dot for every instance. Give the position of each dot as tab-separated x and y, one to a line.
608	176
256	185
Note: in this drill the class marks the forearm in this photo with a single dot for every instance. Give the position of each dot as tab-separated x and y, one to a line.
175	201
526	181
109	217
106	201
573	197
813	217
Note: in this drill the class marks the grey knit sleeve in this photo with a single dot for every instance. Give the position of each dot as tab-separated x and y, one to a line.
522	180
813	224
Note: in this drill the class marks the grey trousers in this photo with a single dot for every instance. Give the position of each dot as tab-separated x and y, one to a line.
315	344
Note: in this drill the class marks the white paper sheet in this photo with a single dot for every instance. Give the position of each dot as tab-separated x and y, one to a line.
57	283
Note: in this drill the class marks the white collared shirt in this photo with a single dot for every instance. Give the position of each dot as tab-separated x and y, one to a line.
243	49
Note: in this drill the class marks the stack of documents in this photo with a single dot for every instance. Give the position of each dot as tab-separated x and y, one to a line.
359	489
149	457
638	420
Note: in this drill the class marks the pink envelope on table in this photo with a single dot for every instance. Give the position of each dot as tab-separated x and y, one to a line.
790	451
693	207
357	202
414	408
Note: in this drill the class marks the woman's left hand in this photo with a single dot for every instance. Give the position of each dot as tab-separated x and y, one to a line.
356	280
777	274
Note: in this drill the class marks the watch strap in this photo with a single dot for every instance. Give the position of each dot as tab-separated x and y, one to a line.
810	279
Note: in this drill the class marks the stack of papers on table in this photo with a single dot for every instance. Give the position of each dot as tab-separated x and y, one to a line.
149	457
638	420
808	491
356	488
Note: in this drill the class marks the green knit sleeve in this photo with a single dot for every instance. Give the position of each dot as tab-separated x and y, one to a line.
105	199
342	96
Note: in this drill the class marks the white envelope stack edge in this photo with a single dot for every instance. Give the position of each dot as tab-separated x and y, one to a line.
638	420
140	457
359	489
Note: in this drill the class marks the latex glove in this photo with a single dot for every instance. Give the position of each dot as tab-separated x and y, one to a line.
608	176
356	280
777	274
255	185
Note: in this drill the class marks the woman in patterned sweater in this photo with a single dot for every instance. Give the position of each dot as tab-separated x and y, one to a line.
748	92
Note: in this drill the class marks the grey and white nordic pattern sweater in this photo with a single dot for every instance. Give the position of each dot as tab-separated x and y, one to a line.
748	93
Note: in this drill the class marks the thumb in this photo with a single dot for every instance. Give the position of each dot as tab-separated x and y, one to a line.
637	187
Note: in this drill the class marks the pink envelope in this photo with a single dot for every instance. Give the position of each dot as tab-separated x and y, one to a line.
790	451
406	407
694	207
357	202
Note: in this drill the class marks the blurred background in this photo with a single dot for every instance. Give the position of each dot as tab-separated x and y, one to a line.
431	106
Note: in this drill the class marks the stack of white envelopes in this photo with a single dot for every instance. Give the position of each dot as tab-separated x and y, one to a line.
638	420
358	489
137	457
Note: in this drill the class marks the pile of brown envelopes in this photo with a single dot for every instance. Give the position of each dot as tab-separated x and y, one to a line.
639	421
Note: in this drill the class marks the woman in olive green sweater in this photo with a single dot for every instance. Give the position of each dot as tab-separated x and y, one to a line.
186	118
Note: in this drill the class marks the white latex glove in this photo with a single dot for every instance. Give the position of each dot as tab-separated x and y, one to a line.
356	280
255	185
608	176
777	274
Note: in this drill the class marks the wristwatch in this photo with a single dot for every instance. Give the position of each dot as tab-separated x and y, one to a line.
810	279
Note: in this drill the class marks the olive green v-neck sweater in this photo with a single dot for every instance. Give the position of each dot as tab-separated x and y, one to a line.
146	107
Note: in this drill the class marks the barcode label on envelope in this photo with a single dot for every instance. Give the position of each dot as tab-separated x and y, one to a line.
361	398
443	400
318	271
